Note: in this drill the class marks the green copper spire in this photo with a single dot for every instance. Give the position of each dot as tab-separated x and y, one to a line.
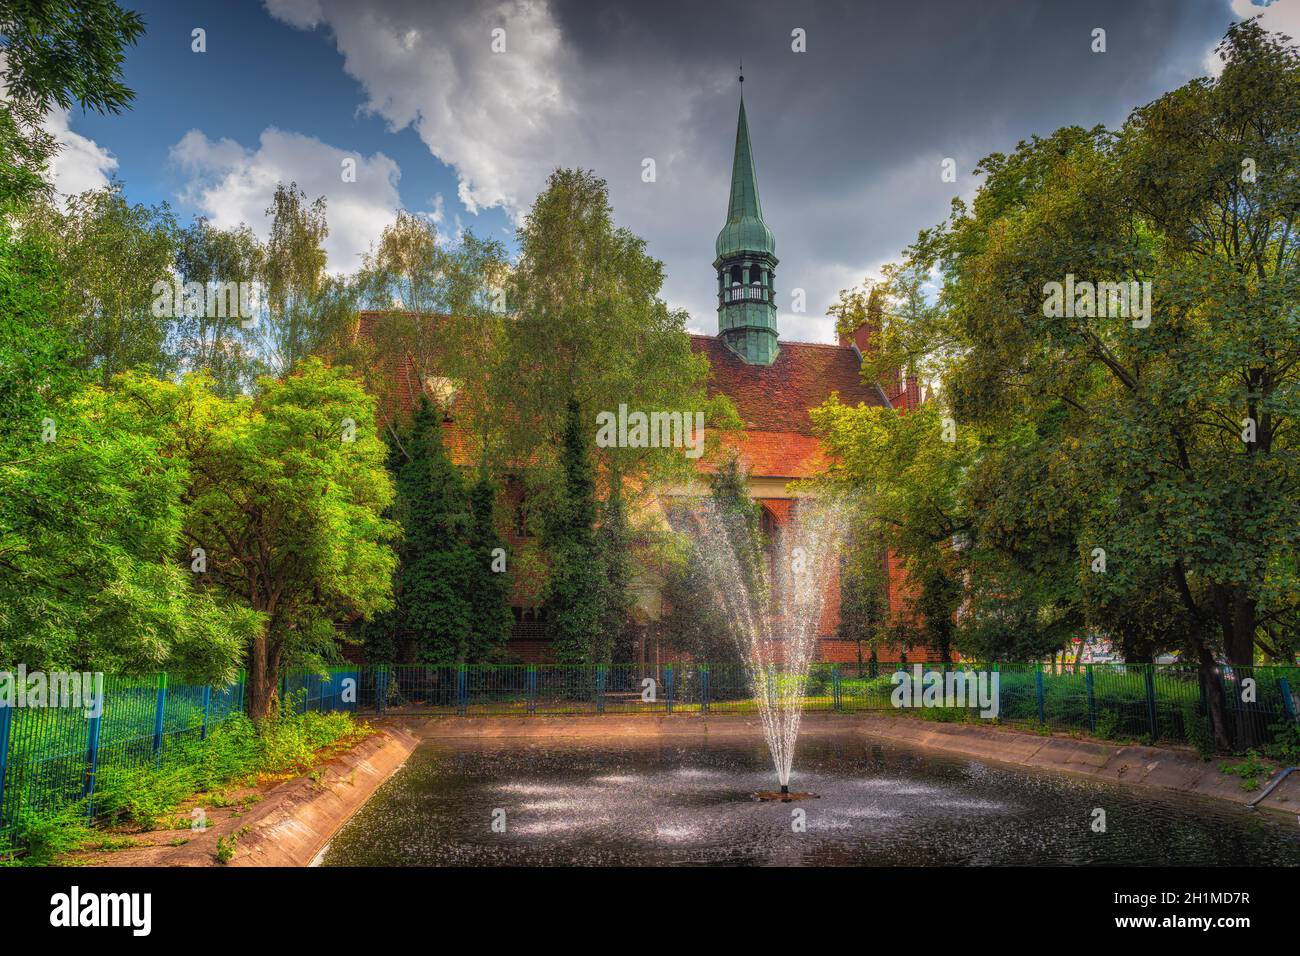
745	230
746	262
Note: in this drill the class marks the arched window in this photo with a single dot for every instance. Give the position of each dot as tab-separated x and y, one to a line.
735	275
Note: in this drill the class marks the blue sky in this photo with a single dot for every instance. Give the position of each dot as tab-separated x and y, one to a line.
848	135
258	72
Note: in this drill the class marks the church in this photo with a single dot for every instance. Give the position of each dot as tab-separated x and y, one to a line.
772	384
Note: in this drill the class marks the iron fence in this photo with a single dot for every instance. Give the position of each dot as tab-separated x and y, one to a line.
51	756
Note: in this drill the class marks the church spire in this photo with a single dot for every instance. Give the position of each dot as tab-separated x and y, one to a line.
746	261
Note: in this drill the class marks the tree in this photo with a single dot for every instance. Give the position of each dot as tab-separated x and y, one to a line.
1156	391
109	255
697	620
586	293
285	493
489	584
575	605
55	53
614	544
864	599
218	340
434	605
440	320
91	569
306	311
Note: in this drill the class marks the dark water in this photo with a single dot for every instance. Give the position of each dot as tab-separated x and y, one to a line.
688	803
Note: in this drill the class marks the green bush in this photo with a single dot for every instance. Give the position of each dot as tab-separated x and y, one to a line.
1286	742
142	795
38	837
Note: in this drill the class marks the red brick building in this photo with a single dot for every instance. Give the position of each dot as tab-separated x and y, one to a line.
772	384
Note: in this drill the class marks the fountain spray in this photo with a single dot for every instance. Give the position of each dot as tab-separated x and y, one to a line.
773	609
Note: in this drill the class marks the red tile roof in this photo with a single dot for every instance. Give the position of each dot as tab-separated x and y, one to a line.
774	454
776	397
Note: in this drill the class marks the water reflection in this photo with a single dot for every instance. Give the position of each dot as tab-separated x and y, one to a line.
657	803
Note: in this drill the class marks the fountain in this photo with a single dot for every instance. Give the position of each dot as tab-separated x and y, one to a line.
773	609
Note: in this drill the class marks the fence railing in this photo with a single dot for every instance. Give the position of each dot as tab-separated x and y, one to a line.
50	756
1120	701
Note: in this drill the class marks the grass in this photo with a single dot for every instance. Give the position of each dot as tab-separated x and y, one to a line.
143	797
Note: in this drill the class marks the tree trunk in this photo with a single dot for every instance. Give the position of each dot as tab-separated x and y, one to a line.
1216	702
260	690
1239	635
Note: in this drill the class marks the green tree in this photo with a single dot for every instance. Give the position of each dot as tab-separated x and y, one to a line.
55	53
575	605
1164	419
92	572
586	295
614	543
305	310
434	605
218	340
439	319
110	254
489	584
285	496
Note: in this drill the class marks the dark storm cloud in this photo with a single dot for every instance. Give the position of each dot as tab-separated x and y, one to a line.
848	136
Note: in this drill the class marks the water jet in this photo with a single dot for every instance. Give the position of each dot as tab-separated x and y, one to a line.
772	597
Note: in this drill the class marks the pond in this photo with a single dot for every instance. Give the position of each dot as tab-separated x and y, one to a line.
558	801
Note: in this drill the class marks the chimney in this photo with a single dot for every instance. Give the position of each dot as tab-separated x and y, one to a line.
866	335
903	392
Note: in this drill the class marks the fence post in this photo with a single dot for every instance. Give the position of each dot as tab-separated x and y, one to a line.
381	689
159	710
668	685
1283	686
600	690
462	691
704	689
1150	673
835	687
6	715
92	759
1092	698
532	688
207	708
1038	681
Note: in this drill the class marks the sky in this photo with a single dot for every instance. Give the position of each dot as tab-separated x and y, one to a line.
849	134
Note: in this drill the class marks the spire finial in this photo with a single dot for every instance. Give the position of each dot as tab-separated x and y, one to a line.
742	71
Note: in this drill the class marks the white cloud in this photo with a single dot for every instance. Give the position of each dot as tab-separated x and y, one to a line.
1281	16
504	121
483	113
232	184
80	163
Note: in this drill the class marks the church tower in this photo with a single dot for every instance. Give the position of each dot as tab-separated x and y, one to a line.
746	263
